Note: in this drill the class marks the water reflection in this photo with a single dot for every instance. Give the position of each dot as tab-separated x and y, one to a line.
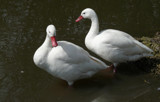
22	30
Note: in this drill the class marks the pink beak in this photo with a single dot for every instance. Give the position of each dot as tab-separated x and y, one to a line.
79	18
54	42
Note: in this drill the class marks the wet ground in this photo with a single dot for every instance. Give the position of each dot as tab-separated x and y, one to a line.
22	31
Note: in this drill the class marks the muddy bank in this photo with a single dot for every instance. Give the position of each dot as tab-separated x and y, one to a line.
153	63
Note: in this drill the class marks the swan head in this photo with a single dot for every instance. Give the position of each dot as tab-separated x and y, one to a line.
86	13
51	32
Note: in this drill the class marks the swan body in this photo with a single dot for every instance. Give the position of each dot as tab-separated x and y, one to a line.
66	60
112	45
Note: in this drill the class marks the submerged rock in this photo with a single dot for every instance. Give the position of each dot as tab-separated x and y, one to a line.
154	44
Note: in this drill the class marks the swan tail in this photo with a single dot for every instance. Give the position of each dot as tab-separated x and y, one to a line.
144	47
137	57
99	62
147	55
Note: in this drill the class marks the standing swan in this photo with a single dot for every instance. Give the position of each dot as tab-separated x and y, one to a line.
112	45
66	60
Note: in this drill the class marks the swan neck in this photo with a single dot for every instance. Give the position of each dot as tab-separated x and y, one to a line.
94	30
47	42
42	52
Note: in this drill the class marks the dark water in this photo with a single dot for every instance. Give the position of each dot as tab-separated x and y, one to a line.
22	31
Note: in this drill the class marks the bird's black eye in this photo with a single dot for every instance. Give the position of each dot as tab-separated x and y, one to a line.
84	13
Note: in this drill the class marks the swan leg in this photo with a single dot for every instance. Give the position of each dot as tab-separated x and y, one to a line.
114	67
114	70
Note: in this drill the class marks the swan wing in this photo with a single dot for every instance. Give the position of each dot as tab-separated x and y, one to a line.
123	41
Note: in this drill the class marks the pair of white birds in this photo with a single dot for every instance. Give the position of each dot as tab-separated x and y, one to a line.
70	62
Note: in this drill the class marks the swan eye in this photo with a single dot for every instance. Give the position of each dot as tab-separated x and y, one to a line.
84	13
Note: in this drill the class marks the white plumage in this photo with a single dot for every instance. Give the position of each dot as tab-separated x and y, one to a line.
112	45
66	60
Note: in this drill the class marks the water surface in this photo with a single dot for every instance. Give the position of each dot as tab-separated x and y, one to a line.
22	31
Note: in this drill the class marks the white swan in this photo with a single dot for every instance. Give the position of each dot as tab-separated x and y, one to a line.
112	45
65	60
